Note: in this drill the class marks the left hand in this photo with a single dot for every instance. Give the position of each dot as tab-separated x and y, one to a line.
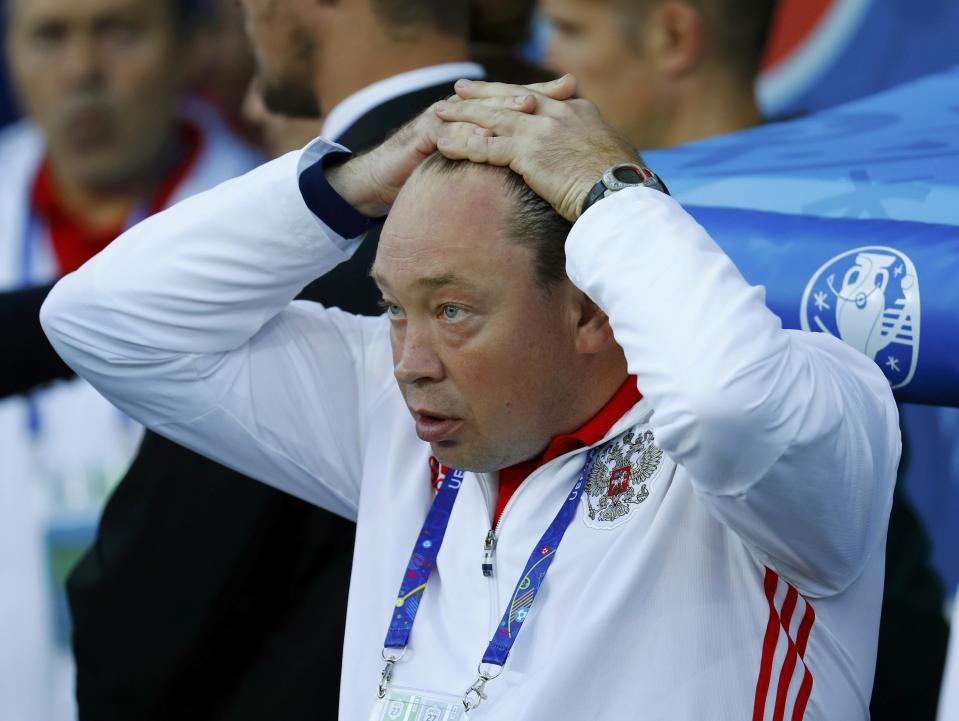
371	181
561	150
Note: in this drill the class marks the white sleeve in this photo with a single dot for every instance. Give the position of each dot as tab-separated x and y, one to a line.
791	438
186	324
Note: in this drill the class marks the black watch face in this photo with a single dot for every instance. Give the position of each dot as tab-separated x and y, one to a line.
628	175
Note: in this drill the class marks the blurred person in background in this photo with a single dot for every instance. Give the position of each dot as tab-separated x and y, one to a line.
277	133
498	30
670	72
663	72
222	64
104	145
208	595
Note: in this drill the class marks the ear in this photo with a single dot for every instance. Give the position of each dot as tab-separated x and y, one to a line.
593	332
675	37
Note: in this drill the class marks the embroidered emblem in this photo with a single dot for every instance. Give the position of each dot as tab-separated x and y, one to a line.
620	479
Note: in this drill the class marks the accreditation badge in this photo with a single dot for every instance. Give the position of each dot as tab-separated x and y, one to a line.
404	704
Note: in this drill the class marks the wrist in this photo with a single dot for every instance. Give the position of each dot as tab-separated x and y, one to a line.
349	178
629	174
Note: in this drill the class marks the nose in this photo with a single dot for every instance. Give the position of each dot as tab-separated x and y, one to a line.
83	62
414	356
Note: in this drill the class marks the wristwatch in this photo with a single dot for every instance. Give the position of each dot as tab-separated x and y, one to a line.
623	175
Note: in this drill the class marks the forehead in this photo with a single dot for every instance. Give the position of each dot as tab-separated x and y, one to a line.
80	10
449	226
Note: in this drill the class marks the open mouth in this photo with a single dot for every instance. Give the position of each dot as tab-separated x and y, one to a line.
435	428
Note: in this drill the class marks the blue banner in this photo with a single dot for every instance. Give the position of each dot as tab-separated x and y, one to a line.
850	219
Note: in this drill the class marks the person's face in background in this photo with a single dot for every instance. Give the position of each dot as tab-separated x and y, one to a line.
278	134
285	51
609	55
100	78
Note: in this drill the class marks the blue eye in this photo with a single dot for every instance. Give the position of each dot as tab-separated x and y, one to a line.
393	311
452	312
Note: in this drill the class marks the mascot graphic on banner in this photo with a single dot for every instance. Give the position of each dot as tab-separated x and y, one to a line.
869	297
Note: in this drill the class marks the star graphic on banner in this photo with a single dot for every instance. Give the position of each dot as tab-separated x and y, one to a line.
820	301
892	363
897	271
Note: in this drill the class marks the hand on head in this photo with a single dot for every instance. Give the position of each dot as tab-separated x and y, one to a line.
371	182
559	145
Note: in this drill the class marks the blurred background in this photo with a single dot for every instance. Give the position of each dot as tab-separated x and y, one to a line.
190	98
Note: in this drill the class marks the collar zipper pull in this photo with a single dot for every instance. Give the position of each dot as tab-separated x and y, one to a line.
488	547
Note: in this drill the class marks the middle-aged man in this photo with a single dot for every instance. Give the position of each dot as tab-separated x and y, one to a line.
105	142
730	514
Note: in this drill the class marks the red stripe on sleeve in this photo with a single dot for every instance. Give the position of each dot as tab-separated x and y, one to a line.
803	698
806	688
789	663
770	582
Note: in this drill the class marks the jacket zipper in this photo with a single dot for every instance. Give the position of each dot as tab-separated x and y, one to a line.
486	485
492	536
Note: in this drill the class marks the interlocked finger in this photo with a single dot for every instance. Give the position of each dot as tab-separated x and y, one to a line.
476	148
560	89
501	120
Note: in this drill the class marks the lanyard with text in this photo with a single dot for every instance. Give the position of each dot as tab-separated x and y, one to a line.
424	558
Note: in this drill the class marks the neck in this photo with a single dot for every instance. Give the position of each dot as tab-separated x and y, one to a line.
706	107
346	66
598	384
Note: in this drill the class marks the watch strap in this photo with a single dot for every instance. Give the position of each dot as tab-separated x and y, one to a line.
610	183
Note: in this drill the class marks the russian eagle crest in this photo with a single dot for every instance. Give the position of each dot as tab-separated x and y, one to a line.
620	479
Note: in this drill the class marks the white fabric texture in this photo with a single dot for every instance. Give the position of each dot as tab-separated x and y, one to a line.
765	523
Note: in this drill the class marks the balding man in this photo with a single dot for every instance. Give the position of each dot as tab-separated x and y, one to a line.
683	528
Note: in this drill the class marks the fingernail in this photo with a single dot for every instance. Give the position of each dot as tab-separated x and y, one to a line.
462	83
520	99
441	107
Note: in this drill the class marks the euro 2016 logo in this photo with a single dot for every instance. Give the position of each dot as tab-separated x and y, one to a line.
869	297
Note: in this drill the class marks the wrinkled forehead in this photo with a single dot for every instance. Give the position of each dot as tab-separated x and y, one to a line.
448	224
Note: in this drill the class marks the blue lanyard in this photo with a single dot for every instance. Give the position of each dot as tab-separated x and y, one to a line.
422	560
427	549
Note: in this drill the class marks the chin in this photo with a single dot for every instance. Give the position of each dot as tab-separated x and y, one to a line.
453	454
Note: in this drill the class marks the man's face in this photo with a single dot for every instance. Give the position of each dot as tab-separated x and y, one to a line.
285	52
482	354
100	78
589	38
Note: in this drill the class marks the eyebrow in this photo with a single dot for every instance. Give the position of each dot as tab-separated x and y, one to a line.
432	282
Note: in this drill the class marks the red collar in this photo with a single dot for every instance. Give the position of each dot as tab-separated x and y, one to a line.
589	433
74	241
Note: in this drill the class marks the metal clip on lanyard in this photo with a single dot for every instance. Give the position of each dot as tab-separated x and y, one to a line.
387	677
421	564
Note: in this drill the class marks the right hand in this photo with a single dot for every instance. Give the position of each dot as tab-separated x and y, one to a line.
370	182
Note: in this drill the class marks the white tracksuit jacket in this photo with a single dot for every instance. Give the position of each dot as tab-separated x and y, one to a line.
747	582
